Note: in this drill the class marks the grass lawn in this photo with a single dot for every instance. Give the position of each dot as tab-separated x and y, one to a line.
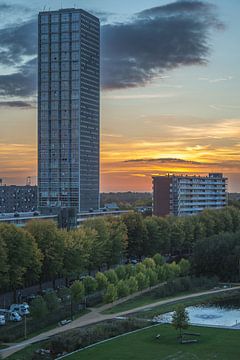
26	353
217	344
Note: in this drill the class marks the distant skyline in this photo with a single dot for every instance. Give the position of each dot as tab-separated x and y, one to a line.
170	89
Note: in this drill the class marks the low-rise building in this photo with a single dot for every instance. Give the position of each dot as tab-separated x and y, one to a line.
182	195
14	198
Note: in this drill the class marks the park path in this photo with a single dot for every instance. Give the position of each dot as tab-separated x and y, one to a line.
96	316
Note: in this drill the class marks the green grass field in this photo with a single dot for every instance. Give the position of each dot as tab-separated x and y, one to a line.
217	344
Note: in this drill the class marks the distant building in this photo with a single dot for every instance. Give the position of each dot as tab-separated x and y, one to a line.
188	195
68	110
15	198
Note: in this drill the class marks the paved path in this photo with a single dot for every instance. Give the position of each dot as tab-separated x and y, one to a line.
95	316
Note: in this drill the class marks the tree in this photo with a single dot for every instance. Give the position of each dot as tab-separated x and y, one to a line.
111	294
78	246
90	284
101	250
77	291
180	319
38	308
132	285
121	272
152	276
137	234
152	245
159	259
143	281
149	263
118	245
23	255
52	301
184	266
122	289
111	276
51	243
4	279
102	281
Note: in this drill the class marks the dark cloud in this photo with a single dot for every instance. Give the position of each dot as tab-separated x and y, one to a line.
165	161
132	53
22	83
16	104
18	41
156	40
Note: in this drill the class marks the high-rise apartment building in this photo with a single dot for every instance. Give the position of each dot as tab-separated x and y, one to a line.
68	109
188	195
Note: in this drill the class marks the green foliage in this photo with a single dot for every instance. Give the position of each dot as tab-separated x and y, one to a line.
118	244
78	245
152	277
22	254
121	272
50	241
137	234
102	281
142	280
38	308
184	266
111	294
111	276
122	289
52	301
180	318
159	259
149	263
132	284
77	291
90	284
4	280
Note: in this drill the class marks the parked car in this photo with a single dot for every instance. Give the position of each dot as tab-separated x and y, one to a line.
2	320
21	309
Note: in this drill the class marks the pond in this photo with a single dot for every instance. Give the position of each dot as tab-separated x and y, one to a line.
219	313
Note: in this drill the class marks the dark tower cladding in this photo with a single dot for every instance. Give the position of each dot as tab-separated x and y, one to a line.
68	109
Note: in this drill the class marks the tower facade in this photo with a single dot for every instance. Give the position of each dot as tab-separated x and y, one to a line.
68	109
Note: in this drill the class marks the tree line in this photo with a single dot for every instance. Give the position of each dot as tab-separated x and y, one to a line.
41	251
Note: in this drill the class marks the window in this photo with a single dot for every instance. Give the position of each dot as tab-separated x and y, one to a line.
75	36
65	56
75	16
44	19
75	65
44	29
54	47
65	66
54	28
55	66
65	17
54	56
65	75
75	46
55	76
54	37
75	26
75	55
44	67
65	46
65	37
44	38
54	18
65	27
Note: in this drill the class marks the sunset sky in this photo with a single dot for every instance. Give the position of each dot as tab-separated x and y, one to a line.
170	89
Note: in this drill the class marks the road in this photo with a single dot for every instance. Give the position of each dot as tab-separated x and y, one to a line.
96	316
